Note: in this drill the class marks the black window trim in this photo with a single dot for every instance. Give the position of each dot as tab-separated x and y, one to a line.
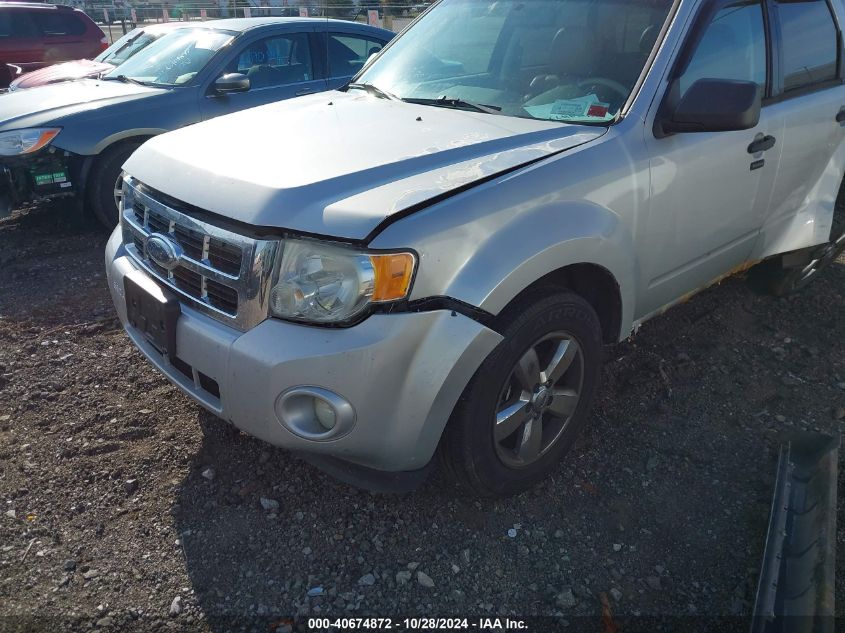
779	94
318	55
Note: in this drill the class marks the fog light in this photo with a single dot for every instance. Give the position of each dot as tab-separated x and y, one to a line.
325	414
315	413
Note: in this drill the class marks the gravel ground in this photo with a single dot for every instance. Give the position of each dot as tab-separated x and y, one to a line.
127	507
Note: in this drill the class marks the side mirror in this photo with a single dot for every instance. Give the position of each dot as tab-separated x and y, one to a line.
715	105
231	82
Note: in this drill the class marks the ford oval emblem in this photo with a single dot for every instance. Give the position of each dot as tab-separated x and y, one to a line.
163	251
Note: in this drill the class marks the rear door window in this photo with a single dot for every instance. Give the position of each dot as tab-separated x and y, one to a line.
810	43
16	24
58	23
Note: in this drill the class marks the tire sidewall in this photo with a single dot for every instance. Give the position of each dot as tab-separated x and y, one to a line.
567	313
105	175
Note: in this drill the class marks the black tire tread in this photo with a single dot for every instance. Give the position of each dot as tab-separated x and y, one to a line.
454	451
100	196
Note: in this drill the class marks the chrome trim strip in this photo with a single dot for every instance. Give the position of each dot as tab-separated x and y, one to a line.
252	283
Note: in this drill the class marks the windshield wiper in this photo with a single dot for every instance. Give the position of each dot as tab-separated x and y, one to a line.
451	102
124	79
373	90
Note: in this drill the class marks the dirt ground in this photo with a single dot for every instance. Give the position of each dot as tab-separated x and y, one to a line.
120	513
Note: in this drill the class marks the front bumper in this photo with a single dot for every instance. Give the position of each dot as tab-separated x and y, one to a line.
402	373
46	174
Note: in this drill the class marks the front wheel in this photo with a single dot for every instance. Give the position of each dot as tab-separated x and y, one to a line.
106	189
524	408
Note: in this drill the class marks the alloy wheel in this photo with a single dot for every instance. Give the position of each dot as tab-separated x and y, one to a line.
538	400
118	192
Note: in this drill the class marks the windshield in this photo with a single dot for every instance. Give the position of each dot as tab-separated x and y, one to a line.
126	47
173	59
554	60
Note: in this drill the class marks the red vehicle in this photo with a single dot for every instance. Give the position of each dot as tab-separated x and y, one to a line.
36	35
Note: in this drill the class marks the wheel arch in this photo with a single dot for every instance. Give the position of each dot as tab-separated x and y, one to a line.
593	283
127	136
123	136
587	249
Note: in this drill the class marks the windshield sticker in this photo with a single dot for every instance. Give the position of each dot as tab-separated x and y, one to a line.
583	108
588	107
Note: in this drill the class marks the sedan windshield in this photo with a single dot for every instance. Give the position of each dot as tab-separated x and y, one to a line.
126	47
555	60
173	59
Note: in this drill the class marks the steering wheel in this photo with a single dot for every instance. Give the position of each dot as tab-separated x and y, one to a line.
615	86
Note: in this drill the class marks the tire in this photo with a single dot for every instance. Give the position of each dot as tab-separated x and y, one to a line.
774	277
104	180
487	457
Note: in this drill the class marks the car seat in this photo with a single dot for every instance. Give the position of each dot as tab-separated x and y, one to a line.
570	61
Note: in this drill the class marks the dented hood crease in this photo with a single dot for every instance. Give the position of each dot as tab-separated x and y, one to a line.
340	164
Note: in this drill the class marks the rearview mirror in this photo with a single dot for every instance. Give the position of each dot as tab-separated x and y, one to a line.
231	82
715	105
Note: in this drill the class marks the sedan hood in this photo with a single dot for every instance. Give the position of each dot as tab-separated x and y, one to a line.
48	104
338	163
60	72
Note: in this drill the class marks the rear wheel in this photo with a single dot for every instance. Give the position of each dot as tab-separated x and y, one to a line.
106	188
774	277
524	408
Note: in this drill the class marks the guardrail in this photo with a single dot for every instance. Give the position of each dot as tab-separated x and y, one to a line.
795	593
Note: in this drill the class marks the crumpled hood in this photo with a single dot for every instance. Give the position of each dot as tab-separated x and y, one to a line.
338	163
48	104
60	72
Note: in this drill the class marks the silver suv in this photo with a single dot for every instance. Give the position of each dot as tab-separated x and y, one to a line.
428	261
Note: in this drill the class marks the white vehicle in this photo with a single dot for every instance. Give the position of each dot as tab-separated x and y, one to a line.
429	260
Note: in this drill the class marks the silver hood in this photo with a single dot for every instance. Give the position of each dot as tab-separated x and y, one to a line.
339	163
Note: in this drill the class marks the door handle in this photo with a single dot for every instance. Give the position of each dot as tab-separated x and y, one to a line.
840	116
762	144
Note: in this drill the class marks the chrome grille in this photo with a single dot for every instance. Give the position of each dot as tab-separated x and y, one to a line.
224	274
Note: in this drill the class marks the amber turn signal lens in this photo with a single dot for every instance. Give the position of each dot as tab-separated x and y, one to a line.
43	139
394	272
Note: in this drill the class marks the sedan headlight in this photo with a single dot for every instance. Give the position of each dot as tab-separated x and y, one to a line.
26	141
319	282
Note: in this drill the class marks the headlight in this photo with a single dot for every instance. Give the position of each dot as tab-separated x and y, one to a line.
127	201
26	141
326	283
